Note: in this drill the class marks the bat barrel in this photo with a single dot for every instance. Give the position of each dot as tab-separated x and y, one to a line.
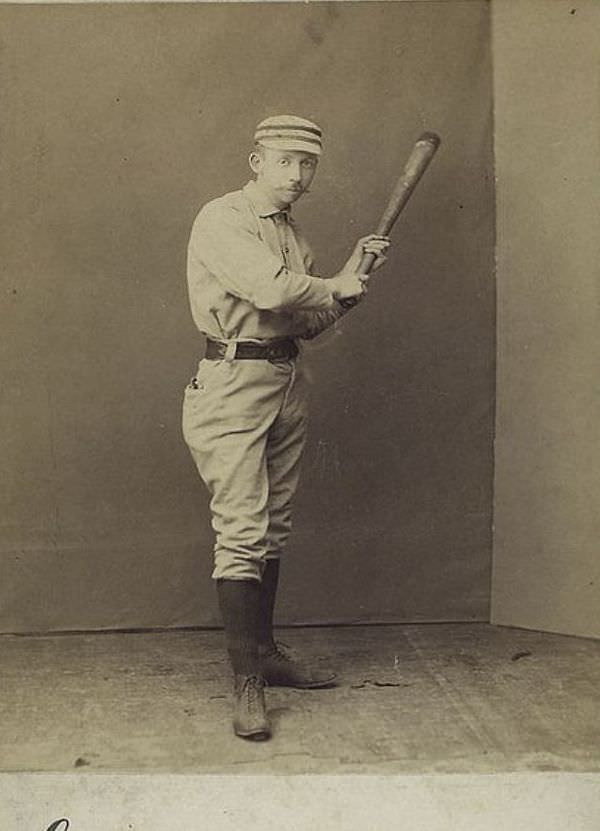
424	150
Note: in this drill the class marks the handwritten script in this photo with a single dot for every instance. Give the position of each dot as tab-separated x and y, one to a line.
59	825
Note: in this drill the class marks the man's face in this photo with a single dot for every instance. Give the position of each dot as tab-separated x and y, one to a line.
284	175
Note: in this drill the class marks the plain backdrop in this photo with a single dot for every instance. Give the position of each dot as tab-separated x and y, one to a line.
118	124
547	487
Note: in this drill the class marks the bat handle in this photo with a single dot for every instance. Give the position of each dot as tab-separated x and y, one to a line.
368	260
366	263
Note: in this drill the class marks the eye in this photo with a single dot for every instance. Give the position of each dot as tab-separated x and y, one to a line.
283	162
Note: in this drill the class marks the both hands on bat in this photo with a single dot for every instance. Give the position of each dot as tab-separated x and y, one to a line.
349	283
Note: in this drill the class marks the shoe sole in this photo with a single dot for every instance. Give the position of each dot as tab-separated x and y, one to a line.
254	736
318	685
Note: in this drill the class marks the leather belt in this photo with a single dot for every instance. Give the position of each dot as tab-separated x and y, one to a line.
283	349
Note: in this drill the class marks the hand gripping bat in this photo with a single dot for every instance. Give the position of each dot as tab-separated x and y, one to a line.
423	152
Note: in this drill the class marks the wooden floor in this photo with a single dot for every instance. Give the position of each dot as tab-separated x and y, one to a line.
464	698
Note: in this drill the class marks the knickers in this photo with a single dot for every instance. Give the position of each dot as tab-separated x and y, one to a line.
245	426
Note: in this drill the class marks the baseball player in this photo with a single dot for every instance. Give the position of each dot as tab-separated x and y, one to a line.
255	296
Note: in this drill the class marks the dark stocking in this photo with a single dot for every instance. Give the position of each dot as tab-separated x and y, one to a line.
239	601
268	590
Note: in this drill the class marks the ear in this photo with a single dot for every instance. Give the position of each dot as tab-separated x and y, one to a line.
254	160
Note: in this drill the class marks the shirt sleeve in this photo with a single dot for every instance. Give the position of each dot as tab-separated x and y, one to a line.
311	324
225	242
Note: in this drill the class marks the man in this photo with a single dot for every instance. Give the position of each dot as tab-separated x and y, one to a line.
254	295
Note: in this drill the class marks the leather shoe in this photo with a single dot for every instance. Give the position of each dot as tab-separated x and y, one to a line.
249	717
279	669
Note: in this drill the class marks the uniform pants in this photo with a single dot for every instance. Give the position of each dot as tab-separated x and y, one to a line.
245	426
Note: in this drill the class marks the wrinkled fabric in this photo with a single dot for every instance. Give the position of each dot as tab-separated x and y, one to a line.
245	426
250	273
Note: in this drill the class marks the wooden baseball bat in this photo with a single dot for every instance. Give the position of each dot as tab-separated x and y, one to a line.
418	161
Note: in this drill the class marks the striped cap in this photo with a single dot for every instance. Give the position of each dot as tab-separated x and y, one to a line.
289	132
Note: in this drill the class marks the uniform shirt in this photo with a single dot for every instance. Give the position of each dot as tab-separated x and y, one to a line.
250	273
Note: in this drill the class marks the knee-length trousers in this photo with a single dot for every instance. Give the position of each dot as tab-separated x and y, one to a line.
244	422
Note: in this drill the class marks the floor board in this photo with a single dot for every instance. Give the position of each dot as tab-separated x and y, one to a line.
432	698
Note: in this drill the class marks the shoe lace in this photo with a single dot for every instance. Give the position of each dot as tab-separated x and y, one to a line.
278	651
251	687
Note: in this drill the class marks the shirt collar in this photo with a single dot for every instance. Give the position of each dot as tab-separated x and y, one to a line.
260	203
